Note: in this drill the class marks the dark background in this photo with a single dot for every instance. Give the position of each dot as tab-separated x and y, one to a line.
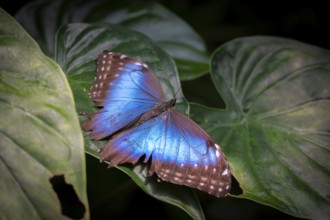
217	22
221	21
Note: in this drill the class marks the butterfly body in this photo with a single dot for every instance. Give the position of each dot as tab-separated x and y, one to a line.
157	110
139	122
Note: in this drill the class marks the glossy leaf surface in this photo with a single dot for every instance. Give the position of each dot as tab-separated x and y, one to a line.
275	130
40	132
169	31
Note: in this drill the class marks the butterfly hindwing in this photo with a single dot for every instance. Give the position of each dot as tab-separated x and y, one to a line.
180	151
198	162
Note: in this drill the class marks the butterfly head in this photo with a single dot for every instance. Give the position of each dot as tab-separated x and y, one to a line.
172	102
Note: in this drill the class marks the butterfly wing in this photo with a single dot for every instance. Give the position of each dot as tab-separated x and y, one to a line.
181	152
126	91
125	88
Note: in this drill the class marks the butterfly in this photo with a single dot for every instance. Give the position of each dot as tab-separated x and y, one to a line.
139	123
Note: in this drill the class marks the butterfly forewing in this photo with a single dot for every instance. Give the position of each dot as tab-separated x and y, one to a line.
125	89
116	72
140	123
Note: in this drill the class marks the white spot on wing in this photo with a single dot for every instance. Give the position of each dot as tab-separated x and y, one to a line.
217	154
225	172
204	178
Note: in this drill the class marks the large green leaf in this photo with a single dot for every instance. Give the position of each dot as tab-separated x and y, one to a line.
43	18
275	130
40	133
77	48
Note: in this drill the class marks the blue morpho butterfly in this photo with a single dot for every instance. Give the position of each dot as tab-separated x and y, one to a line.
139	122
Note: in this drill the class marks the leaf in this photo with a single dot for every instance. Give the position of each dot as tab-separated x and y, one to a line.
79	44
275	130
170	32
39	131
77	48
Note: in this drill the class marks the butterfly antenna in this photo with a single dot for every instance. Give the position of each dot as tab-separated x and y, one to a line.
176	94
177	83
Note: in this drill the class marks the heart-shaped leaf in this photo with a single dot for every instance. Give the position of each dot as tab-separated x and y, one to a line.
43	18
41	147
275	130
77	48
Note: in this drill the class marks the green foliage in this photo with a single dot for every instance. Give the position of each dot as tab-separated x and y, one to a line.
274	130
40	133
167	30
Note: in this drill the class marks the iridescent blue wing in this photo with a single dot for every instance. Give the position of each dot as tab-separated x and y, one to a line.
181	152
125	88
140	123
